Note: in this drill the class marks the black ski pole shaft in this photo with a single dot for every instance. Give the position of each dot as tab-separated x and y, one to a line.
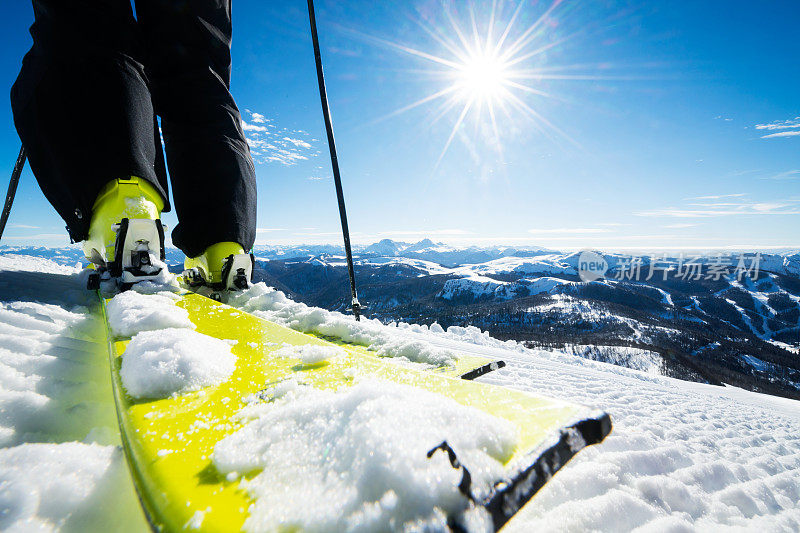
337	179
12	189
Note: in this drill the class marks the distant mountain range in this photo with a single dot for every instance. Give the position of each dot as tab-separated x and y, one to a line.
425	250
714	319
694	318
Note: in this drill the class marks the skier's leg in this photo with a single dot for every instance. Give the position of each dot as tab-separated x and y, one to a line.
82	108
213	178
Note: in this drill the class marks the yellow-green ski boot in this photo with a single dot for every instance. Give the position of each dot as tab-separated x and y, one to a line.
125	234
223	266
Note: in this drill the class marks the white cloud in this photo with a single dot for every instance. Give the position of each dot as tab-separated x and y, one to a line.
22	226
780	124
679	226
297	142
730	208
271	144
744	172
327	233
252	127
38	236
717	196
791	127
269	230
781	134
788	175
424	233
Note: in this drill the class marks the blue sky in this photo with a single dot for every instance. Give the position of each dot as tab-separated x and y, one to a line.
618	124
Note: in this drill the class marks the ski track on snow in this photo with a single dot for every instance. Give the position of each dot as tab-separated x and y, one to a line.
682	456
61	466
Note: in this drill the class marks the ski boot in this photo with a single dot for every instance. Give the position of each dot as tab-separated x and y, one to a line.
224	266
126	236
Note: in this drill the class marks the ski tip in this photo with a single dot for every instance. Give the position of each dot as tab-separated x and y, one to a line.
482	370
512	494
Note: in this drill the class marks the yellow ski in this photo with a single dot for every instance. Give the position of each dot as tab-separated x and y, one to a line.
169	452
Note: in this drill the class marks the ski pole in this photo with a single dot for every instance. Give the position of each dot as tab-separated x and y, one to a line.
12	189
326	113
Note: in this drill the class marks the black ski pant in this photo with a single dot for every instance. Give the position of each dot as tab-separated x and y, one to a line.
85	106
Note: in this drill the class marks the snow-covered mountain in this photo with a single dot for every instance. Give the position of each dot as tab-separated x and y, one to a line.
682	456
386	247
702	318
424	250
445	255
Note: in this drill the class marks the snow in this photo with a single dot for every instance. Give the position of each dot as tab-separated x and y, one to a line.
635	358
757	363
682	456
159	363
310	354
130	312
680	452
760	292
475	283
165	281
61	467
475	286
46	487
362	454
427	267
196	521
388	341
666	298
547	284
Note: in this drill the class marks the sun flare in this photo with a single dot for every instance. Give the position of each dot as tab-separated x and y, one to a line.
483	76
489	70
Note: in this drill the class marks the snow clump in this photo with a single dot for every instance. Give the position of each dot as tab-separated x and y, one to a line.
310	354
164	281
130	312
157	364
362	452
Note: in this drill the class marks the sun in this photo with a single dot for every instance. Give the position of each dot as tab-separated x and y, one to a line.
489	69
483	76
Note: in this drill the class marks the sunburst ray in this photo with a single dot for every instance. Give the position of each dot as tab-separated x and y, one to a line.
492	69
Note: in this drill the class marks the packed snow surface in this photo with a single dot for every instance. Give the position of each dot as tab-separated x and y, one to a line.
130	312
159	363
48	486
356	459
682	456
636	358
61	466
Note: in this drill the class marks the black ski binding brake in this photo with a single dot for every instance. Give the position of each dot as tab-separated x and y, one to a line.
93	282
138	241
236	277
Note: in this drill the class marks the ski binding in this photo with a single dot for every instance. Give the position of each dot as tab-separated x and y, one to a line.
237	274
139	244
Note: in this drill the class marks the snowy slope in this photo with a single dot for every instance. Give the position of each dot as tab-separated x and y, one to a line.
682	455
